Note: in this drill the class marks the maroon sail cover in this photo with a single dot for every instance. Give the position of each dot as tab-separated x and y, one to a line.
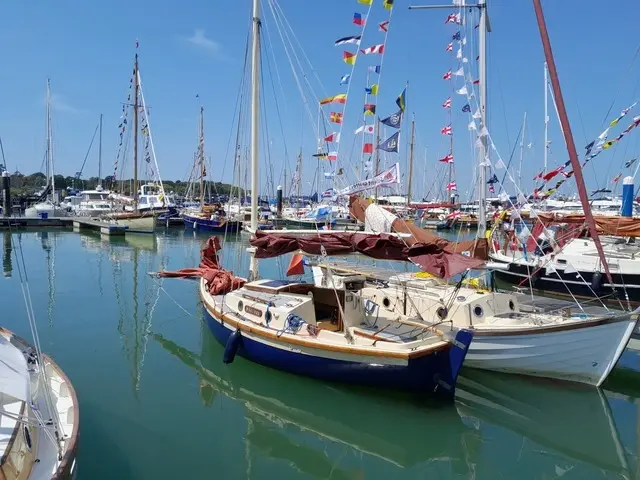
219	281
430	257
477	248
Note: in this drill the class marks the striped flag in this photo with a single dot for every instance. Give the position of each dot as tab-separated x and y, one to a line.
373	49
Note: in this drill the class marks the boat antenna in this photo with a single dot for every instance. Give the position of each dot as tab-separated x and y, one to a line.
568	138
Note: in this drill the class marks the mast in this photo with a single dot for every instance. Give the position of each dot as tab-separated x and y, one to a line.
136	89
482	94
255	84
546	117
524	124
50	173
377	153
568	136
100	153
413	125
201	155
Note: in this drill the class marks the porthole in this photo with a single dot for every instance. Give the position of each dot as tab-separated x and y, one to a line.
442	313
27	436
512	306
386	302
240	305
477	311
267	316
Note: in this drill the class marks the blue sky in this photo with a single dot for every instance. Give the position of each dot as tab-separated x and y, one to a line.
197	47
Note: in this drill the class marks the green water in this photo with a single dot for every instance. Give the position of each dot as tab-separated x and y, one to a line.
157	402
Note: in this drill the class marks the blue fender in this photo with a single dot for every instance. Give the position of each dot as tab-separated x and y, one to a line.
231	348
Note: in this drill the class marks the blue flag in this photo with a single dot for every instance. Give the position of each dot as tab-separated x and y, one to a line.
466	108
401	100
391	143
393	120
375	69
345	79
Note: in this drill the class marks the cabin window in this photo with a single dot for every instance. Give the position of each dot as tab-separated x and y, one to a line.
561	261
442	313
386	302
477	311
240	305
143	201
512	306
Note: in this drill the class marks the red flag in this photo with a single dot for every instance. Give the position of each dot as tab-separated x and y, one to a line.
296	265
367	148
384	26
447	159
446	130
449	47
447	76
549	175
447	103
335	117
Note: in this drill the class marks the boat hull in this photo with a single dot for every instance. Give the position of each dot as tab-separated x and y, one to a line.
216	226
300	224
435	373
586	354
145	223
561	283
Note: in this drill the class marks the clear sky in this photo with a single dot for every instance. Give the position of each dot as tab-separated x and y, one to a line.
197	47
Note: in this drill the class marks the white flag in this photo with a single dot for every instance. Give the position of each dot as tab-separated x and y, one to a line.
483	131
472	125
459	72
477	115
365	128
459	53
500	164
463	91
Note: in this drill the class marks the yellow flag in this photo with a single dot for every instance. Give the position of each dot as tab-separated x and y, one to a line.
388	4
365	2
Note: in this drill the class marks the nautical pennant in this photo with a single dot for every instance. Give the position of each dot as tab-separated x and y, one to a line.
372	90
447	103
366	129
449	47
388	4
374	69
393	120
446	130
358	19
349	58
340	98
345	79
447	76
369	109
333	137
447	159
384	26
401	100
373	49
390	144
354	39
335	117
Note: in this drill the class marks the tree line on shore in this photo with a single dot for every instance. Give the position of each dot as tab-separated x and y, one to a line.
29	184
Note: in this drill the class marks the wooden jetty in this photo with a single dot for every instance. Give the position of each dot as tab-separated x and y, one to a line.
77	223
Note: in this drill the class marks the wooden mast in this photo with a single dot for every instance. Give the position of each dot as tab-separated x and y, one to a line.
413	125
136	89
568	136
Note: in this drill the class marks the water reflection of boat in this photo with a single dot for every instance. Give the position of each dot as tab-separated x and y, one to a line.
567	418
277	405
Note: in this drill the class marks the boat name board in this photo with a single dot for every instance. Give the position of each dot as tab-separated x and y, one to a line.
253	311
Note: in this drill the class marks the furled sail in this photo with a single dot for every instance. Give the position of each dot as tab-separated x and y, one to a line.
428	256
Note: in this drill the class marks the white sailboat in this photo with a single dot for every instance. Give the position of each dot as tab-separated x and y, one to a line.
48	207
312	330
